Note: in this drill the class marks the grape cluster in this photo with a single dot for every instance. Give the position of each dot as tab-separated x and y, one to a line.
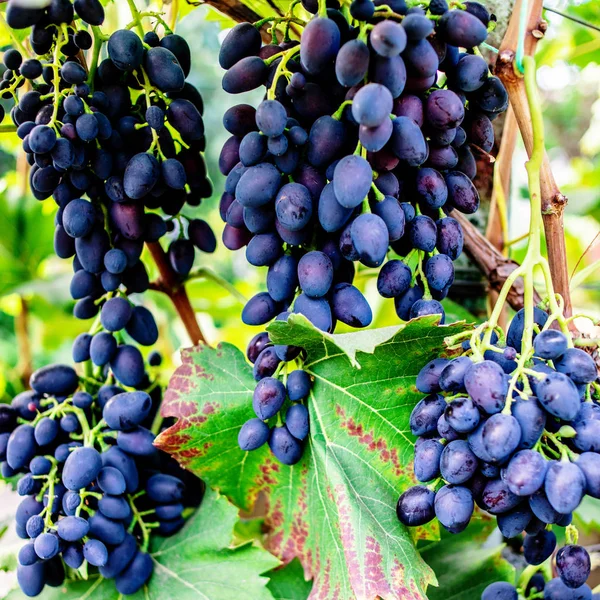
362	148
526	453
270	396
94	486
129	135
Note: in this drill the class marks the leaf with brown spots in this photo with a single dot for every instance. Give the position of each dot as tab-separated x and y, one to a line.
335	510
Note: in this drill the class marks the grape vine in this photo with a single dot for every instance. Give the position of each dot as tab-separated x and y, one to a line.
359	163
359	150
512	424
129	135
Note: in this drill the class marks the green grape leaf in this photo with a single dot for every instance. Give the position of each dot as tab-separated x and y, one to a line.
196	562
288	583
335	510
464	566
587	515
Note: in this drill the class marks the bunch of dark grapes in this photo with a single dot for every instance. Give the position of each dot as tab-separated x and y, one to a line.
271	395
129	135
526	453
94	486
360	151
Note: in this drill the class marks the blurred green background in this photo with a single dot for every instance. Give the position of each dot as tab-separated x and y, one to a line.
36	323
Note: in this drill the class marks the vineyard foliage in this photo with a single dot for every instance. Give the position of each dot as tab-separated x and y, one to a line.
325	527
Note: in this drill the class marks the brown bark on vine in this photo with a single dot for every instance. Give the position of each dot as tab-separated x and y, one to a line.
553	202
170	284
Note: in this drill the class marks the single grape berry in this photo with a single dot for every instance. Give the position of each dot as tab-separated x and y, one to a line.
573	565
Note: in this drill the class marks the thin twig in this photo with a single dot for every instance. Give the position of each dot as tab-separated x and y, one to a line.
25	366
572	18
497	228
590	246
240	13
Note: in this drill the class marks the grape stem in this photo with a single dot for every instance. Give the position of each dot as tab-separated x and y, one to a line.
281	70
277	20
99	39
170	284
571	534
135	13
155	15
578	278
533	257
565	451
322	9
552	201
138	519
337	115
526	576
62	40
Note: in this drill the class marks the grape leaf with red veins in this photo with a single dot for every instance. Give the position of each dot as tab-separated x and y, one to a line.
335	510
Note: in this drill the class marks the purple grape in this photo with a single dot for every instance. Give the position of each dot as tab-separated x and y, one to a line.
462	415
564	486
537	548
269	396
500	590
319	45
573	565
349	306
284	446
461	28
416	506
486	385
253	434
557	590
425	415
514	522
550	344
297	421
427	460
458	463
454	507
429	376
497	498
525	472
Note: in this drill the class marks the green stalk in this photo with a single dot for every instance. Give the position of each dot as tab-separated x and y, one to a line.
281	69
99	39
145	528
337	115
135	13
207	273
62	40
322	9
